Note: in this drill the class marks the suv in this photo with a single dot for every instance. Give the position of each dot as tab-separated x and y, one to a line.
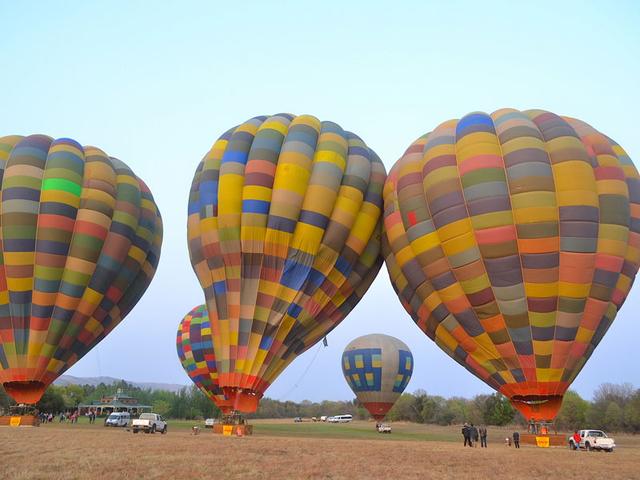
117	419
593	440
149	423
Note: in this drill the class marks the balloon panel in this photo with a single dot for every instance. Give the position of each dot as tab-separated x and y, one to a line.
512	240
284	236
81	238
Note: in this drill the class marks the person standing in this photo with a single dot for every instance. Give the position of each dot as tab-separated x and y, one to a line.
483	437
466	433
576	440
474	435
516	439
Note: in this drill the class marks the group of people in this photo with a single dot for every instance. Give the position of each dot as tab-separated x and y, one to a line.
516	440
66	417
472	434
46	417
72	418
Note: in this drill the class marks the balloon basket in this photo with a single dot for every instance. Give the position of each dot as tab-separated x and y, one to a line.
232	430
19	421
233	425
543	441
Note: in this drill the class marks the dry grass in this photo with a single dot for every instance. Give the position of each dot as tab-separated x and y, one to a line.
69	452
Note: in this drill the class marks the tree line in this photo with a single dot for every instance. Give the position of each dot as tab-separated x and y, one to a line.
615	407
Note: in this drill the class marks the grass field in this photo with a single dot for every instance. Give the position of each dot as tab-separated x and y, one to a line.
281	449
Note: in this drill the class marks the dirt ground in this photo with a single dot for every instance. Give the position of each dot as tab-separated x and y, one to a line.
69	452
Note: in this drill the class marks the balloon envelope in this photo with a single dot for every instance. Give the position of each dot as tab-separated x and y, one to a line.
512	240
284	221
377	368
81	238
195	351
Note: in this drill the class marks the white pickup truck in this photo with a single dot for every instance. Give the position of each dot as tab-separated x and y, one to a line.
383	428
593	440
149	423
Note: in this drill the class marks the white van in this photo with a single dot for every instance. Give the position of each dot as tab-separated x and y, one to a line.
340	419
118	419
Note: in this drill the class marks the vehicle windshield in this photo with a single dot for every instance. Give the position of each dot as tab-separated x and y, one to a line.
147	416
114	416
596	433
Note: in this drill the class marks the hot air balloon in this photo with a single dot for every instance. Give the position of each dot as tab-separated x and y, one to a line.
81	238
512	240
377	368
195	350
284	236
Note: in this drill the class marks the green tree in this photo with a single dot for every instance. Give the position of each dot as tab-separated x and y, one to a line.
632	413
52	401
407	408
162	407
613	417
573	413
497	410
5	400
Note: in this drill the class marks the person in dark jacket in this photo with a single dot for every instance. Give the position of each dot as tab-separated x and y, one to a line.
474	435
483	436
516	439
466	433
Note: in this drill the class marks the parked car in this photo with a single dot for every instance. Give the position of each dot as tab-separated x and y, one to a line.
384	428
297	419
208	423
340	419
118	419
593	440
149	423
323	418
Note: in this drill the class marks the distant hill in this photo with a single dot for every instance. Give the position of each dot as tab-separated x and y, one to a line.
71	380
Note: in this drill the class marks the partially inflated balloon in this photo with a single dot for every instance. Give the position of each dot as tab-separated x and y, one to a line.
513	240
195	350
81	239
284	223
377	368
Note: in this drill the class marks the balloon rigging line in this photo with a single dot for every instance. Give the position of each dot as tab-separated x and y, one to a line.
295	385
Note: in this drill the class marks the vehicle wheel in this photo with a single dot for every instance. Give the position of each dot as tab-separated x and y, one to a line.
135	431
164	430
147	431
609	450
588	446
153	429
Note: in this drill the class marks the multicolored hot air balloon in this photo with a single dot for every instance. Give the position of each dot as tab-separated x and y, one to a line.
195	350
512	239
377	368
81	238
284	236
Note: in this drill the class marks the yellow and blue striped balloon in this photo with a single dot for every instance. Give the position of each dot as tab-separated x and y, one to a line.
284	236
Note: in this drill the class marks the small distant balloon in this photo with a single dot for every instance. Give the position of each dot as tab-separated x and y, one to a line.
377	368
196	354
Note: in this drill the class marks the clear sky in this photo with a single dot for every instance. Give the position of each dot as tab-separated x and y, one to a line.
155	83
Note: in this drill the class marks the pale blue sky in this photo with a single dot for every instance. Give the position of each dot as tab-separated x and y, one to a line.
155	83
